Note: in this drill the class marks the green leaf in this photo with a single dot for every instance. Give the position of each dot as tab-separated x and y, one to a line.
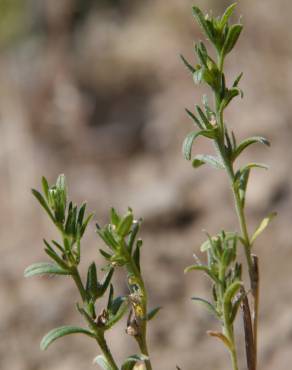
242	184
133	234
45	187
195	119
103	287
237	80
91	282
51	253
204	269
105	254
43	268
85	223
102	362
265	222
232	37
189	140
231	291
247	142
136	254
61	332
229	95
107	237
202	159
115	218
43	203
207	305
210	114
131	361
152	313
198	75
222	337
125	225
227	14
81	213
204	119
187	64
117	308
202	22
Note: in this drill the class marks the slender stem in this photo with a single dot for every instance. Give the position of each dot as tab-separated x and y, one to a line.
77	279
141	338
253	272
105	350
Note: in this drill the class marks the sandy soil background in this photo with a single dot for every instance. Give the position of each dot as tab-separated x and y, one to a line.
96	90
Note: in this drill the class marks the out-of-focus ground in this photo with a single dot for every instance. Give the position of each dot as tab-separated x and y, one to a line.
95	90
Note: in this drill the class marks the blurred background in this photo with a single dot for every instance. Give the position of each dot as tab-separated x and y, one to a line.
95	89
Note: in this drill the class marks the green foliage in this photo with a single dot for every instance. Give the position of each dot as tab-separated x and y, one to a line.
223	267
61	332
120	235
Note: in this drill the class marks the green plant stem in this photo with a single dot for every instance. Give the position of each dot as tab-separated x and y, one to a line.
77	279
141	338
98	334
239	210
105	350
228	330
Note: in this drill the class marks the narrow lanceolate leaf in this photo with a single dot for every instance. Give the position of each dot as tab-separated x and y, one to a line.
204	269
227	14
103	287
152	313
119	309
125	225
202	159
232	37
246	143
187	64
102	362
44	268
195	119
132	360
115	218
254	165
91	282
222	337
45	187
202	22
189	140
265	222
43	203
231	291
61	332
237	80
207	305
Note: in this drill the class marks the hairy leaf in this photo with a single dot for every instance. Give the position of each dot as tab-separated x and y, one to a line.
189	140
207	305
195	119
202	159
43	203
265	222
222	337
102	362
43	268
187	64
152	313
61	332
132	360
232	37
227	14
247	142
